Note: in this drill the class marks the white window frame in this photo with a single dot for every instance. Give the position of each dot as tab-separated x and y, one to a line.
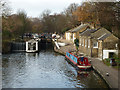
83	42
80	42
96	44
88	43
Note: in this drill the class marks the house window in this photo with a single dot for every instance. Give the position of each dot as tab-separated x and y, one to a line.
85	42
95	44
82	42
88	43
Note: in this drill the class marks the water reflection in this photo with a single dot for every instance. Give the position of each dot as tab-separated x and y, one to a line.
46	69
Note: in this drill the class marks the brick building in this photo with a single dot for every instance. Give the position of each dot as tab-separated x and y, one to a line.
98	43
72	34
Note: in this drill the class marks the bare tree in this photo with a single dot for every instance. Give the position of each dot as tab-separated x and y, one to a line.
5	9
70	17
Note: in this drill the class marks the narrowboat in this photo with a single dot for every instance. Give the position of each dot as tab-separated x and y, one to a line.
79	61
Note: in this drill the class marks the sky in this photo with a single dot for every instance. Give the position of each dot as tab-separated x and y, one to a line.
34	8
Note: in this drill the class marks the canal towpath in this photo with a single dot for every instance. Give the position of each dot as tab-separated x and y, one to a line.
98	65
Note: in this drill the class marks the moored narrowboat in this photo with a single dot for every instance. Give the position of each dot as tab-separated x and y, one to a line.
81	62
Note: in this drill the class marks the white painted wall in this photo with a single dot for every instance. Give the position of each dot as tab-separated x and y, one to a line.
73	37
68	36
106	53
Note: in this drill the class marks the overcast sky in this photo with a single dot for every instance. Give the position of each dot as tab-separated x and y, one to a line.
34	8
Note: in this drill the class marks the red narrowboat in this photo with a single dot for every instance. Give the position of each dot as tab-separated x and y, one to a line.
79	61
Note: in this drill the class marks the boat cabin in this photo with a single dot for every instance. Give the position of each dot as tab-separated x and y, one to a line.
32	46
79	60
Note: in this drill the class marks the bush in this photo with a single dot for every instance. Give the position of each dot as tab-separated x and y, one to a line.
107	59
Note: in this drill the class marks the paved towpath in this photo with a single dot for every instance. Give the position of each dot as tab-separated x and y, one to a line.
98	65
112	78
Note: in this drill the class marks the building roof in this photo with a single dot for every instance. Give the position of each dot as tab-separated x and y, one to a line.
104	36
100	33
80	27
76	29
88	32
69	30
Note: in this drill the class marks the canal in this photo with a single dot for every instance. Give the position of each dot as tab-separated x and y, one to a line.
45	69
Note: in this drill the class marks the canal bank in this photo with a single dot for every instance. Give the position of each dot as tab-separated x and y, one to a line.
109	74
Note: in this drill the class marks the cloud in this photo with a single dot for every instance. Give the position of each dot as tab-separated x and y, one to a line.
35	7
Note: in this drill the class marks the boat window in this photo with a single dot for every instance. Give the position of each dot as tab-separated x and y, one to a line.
73	58
67	54
76	60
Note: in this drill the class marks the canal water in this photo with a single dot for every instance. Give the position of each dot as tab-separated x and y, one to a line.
45	69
